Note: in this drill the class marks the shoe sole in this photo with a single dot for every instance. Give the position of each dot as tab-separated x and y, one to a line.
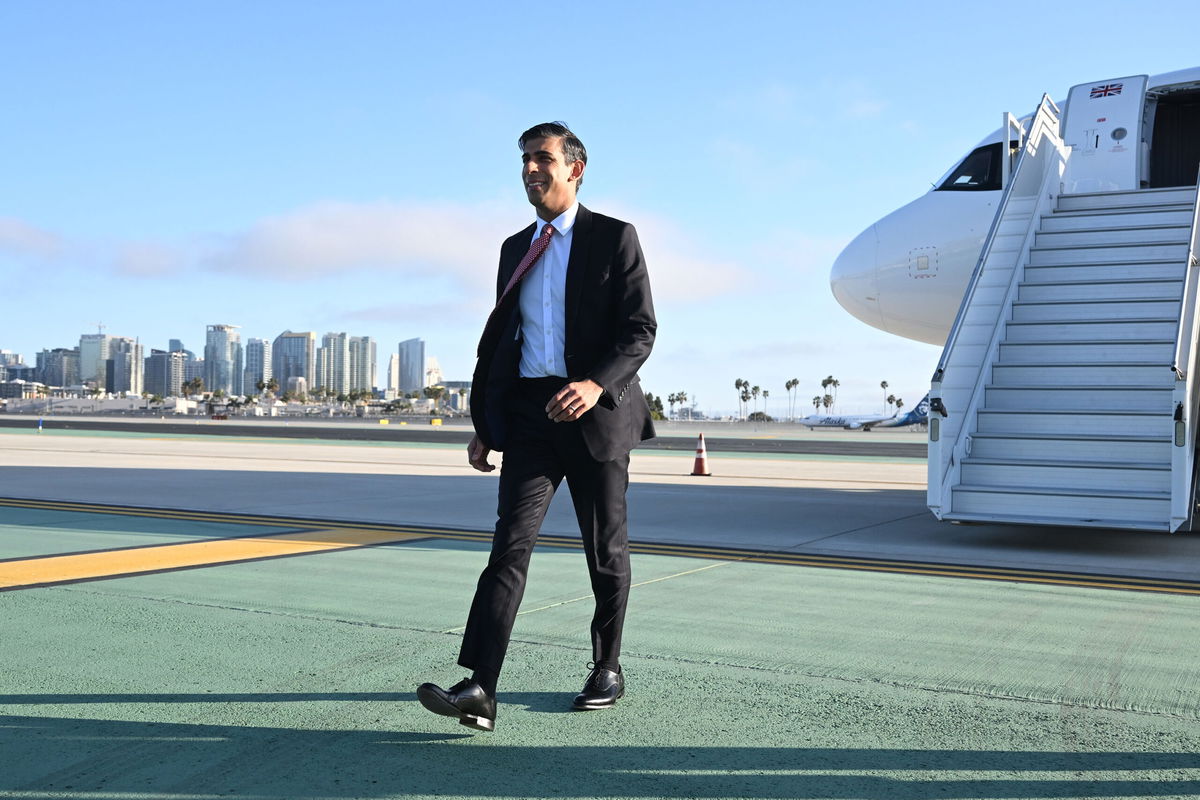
438	705
585	707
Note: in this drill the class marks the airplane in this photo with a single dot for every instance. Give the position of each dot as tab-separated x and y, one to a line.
907	272
865	422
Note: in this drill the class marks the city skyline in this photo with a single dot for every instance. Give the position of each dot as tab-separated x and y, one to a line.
179	166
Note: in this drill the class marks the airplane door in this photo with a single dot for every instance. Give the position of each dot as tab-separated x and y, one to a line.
1103	127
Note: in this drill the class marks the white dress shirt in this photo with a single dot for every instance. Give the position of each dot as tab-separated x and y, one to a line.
543	302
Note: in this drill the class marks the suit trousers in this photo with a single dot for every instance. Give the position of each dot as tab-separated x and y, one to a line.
540	453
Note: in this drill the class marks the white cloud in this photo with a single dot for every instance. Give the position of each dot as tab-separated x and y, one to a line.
335	238
19	238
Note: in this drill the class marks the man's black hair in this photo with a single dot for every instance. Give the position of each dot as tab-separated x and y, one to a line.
573	149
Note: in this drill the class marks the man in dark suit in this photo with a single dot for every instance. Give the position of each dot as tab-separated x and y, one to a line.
556	389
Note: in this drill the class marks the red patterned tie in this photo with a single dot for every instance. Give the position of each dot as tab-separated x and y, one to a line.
535	252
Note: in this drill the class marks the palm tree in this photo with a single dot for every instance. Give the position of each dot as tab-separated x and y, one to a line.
766	394
790	385
827	401
883	385
682	398
740	385
754	392
899	405
745	398
816	401
835	383
671	398
891	400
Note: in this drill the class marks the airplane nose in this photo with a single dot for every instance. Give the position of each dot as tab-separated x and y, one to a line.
853	278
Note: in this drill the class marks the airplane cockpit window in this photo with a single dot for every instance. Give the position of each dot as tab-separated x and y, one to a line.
980	170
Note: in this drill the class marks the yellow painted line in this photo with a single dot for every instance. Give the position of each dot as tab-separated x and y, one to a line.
399	533
29	572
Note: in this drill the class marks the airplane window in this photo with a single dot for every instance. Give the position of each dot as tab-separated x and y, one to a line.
980	170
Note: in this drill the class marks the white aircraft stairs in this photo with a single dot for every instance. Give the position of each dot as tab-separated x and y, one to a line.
1067	391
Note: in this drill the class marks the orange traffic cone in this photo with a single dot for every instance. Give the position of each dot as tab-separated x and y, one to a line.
701	467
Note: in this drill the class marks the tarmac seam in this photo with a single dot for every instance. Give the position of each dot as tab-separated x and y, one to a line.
854	530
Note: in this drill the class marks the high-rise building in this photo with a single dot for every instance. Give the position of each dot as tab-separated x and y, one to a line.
293	355
433	372
193	368
124	369
93	355
393	375
223	359
176	346
412	366
58	367
10	359
362	367
258	365
333	359
164	374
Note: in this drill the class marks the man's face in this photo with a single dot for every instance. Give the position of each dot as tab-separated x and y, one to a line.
550	182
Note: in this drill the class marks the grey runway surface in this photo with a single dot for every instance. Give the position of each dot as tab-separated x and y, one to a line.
768	441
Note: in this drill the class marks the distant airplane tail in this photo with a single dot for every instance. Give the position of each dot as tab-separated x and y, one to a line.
918	415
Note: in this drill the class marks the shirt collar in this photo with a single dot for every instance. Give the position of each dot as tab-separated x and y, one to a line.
562	223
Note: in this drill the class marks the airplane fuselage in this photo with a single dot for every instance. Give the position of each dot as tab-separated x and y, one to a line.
906	273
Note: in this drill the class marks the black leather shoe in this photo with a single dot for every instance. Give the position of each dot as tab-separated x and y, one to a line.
466	700
602	690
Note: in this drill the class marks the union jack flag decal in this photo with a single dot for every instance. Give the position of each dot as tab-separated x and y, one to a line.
1106	90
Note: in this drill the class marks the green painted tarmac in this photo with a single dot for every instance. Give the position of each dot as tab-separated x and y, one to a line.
294	678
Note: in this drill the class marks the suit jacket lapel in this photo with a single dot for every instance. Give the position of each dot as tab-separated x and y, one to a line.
577	263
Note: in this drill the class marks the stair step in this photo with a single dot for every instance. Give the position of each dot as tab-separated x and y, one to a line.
1142	509
1095	374
1116	218
1077	290
1128	422
1096	237
1079	398
1097	310
1092	331
1100	271
1113	449
1127	253
1139	198
1082	476
1157	351
1020	519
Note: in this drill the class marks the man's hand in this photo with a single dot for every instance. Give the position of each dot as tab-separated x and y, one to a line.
574	400
477	454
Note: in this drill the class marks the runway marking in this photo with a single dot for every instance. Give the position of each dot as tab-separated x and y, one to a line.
396	533
36	571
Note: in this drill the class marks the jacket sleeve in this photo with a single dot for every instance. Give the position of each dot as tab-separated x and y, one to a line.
633	320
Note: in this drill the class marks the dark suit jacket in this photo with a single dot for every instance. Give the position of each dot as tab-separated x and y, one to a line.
609	332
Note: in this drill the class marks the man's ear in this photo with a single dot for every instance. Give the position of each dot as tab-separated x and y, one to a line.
577	170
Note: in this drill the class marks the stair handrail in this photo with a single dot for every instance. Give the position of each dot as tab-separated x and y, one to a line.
1186	396
947	448
1189	325
1052	109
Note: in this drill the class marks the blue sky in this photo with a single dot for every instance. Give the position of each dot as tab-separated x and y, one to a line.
352	166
